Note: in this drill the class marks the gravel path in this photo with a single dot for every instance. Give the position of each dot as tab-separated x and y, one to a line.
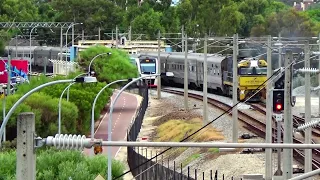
229	164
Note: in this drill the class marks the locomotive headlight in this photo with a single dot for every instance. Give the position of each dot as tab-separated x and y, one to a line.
242	91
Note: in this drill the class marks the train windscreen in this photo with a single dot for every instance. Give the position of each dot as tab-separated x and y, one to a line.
253	71
148	66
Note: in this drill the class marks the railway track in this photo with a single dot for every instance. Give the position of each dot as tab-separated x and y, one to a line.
258	127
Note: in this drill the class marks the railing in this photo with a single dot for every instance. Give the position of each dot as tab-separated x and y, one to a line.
159	168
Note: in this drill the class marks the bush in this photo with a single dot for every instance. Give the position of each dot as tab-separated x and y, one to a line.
108	68
58	164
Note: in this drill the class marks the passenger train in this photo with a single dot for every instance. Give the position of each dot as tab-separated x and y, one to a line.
252	73
147	65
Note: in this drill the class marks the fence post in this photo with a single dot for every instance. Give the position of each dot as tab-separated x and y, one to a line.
26	157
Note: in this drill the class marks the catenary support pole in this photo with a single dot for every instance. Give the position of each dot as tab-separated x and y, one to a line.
4	113
117	37
159	68
205	82
288	153
186	73
82	35
268	152
130	34
319	74
182	39
235	89
307	152
72	35
26	157
99	33
9	75
280	52
61	43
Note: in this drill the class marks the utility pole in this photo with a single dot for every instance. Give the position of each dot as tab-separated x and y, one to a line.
99	33
205	82
182	40
307	152
288	153
61	43
268	152
159	67
116	37
186	73
235	90
9	75
26	157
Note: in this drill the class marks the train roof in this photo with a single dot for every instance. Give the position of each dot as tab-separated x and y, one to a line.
33	48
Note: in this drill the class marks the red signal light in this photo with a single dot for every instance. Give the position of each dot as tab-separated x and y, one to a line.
279	106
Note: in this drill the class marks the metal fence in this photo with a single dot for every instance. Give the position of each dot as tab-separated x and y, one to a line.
159	168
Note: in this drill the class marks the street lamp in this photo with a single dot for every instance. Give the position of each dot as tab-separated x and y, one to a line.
110	118
94	103
108	53
89	73
59	106
78	80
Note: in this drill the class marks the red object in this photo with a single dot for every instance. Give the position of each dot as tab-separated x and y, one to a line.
19	64
144	138
279	106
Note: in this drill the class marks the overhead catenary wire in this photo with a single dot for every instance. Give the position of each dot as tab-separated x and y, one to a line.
224	113
198	129
205	130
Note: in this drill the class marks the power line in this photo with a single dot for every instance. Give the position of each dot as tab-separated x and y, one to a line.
197	130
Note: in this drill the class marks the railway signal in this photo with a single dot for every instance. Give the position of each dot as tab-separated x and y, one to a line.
278	101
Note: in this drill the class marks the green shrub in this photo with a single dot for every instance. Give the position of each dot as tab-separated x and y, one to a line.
61	164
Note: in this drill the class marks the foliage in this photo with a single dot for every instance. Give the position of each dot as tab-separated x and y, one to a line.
56	164
118	63
214	17
290	23
77	112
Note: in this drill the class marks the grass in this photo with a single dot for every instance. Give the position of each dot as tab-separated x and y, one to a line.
190	159
176	130
213	150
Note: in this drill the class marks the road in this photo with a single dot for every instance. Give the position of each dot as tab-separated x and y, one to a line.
123	112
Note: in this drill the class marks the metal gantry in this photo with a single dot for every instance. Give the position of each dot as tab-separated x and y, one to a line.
35	24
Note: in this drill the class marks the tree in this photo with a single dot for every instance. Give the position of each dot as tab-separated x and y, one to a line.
148	23
81	96
108	68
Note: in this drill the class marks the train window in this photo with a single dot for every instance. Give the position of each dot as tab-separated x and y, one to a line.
192	68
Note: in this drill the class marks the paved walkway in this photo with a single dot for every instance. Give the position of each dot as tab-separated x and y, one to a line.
123	113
